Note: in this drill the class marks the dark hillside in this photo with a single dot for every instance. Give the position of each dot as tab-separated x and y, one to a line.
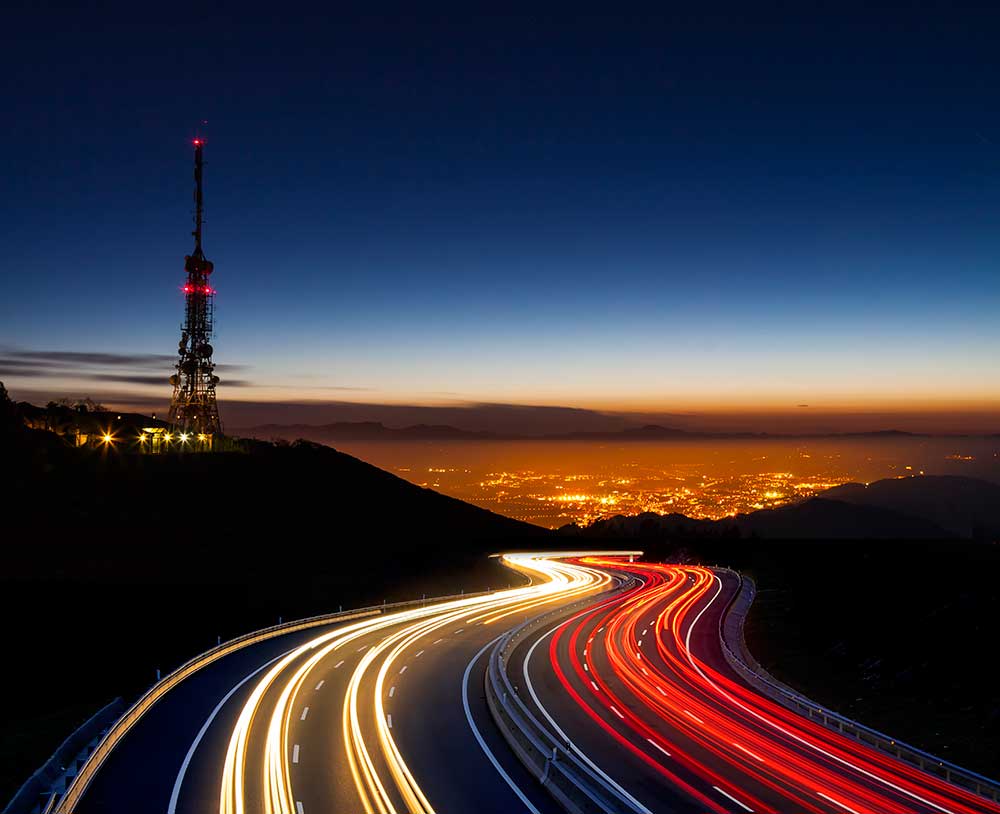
113	565
967	507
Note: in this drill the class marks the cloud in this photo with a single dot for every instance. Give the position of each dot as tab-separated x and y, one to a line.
154	380
51	369
14	357
52	357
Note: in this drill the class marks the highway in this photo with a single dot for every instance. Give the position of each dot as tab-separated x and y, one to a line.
638	686
385	713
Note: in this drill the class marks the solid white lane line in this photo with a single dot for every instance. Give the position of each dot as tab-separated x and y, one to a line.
178	782
295	753
321	683
654	743
304	713
392	691
479	738
837	803
336	666
727	794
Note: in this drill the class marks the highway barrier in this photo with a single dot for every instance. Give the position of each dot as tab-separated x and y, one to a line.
574	784
36	793
738	656
122	726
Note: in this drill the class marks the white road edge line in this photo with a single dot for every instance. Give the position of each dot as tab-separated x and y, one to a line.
479	738
651	742
837	803
176	793
624	795
744	806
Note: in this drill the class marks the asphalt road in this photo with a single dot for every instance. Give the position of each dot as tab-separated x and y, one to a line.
379	714
387	714
640	687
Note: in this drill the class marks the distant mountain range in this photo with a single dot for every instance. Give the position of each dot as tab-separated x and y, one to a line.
927	507
377	431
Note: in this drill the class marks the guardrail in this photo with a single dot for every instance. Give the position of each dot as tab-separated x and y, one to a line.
574	784
31	796
739	658
122	726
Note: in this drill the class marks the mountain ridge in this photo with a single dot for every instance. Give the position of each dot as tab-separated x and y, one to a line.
378	431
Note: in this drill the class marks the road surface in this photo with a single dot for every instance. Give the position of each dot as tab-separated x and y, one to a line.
639	686
385	714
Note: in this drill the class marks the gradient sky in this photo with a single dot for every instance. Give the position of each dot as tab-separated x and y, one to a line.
744	207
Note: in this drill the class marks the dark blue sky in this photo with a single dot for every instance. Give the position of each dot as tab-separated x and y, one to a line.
740	206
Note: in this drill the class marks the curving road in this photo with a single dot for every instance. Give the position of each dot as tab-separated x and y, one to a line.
380	714
385	713
639	686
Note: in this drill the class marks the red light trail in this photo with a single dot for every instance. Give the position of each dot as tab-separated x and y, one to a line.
640	667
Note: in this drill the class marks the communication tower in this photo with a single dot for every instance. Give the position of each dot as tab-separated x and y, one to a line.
193	410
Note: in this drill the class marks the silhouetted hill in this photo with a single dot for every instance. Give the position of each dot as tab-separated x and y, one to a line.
967	507
813	519
820	518
291	487
922	507
377	431
137	562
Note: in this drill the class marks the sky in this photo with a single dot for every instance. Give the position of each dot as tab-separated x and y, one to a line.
736	210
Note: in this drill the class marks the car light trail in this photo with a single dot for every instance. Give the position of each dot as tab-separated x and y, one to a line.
380	774
706	733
